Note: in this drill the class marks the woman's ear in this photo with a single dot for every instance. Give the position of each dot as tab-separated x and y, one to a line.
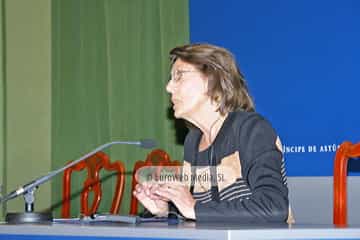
217	98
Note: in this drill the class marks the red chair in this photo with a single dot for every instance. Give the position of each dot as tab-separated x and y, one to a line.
346	150
93	164
156	157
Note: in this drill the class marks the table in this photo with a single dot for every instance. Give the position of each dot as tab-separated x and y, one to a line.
187	230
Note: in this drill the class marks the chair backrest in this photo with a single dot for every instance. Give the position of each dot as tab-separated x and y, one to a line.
345	151
92	183
157	157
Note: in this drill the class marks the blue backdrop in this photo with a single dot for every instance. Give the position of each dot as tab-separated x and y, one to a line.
302	61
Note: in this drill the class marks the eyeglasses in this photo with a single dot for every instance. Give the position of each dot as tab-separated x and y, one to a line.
178	75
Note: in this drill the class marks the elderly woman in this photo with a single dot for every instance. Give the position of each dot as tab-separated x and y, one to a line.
227	139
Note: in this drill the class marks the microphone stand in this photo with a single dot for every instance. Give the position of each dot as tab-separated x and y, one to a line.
29	216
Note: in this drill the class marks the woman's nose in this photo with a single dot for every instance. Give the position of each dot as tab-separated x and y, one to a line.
169	87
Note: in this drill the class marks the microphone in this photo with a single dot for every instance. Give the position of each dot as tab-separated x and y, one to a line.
148	143
29	188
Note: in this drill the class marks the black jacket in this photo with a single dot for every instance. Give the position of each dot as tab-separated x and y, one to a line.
255	190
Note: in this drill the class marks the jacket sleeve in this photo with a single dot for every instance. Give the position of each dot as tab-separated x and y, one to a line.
261	162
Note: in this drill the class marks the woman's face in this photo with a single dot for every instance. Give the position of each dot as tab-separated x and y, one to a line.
188	88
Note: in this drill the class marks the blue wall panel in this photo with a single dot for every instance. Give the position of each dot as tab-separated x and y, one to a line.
302	63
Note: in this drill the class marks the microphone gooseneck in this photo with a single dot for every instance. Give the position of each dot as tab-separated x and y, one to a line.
147	143
28	189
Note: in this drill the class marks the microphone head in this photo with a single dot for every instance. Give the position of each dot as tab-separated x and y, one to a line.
148	143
